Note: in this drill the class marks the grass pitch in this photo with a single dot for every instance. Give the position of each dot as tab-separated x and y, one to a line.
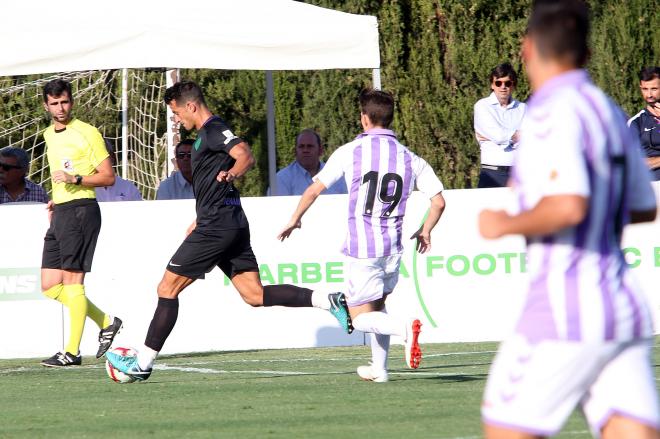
292	393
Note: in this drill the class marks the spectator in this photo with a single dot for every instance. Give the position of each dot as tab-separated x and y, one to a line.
122	190
645	123
14	186
178	186
497	120
295	178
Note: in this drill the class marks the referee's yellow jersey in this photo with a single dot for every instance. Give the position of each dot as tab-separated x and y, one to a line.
78	150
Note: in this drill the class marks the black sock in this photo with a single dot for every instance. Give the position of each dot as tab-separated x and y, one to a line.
162	323
287	295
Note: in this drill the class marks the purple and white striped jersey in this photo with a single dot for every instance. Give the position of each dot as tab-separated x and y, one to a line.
575	142
380	175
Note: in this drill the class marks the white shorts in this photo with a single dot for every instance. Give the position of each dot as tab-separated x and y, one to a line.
535	388
371	278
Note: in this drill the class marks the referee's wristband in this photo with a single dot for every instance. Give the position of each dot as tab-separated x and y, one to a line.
78	180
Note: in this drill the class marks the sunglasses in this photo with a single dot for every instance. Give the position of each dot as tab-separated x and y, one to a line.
183	155
499	83
8	167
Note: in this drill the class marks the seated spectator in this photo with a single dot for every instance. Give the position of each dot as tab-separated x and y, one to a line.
497	121
14	186
178	186
295	178
122	190
644	124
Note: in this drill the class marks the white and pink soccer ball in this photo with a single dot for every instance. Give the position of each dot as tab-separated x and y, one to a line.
114	374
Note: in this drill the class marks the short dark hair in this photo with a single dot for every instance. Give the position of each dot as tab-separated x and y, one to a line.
311	131
649	73
184	91
19	154
57	87
378	105
502	70
183	142
560	29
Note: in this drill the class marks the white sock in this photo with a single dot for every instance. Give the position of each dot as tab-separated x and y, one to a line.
380	346
146	358
379	322
320	300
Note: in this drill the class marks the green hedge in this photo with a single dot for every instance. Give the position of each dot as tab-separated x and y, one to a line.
435	58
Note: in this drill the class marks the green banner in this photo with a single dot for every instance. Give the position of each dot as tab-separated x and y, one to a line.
20	284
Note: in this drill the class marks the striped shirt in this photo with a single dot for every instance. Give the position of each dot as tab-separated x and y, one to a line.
33	194
575	142
381	174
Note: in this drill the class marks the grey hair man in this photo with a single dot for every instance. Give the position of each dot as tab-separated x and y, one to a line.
14	185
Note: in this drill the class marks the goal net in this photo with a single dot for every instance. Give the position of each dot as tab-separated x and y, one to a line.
97	100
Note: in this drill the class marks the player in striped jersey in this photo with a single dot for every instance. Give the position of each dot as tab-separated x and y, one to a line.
585	333
381	174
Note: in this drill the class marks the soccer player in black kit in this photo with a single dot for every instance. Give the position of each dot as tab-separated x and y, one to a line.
220	235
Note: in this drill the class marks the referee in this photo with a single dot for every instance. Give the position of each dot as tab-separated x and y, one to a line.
220	236
78	162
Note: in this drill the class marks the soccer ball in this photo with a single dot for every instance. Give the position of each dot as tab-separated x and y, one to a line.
114	374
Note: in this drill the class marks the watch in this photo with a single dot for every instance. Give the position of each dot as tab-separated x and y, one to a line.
78	180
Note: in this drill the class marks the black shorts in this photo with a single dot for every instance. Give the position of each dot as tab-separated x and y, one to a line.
70	241
201	251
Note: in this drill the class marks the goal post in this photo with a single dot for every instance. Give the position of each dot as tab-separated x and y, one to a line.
125	105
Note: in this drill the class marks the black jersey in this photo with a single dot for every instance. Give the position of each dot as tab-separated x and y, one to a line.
218	204
645	126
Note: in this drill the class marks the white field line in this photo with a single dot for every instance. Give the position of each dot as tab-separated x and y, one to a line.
272	360
306	359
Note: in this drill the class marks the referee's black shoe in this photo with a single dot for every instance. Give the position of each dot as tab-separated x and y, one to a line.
106	336
62	359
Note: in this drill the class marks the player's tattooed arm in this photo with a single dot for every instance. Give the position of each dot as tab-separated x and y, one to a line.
244	161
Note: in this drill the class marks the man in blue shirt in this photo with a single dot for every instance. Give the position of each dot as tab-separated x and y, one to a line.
295	178
14	185
178	186
644	124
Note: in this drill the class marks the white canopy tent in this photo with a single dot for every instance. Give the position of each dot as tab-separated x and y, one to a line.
39	37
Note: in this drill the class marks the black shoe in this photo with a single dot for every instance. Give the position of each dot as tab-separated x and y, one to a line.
339	309
106	336
62	360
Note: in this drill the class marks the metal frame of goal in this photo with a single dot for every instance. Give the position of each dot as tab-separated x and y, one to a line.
125	105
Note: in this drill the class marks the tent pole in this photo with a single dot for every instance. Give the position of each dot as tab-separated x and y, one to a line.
270	125
124	123
171	77
375	75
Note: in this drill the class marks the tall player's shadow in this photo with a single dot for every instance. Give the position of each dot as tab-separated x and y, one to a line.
335	336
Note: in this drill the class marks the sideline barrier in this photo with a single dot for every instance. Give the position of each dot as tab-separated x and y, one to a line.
465	289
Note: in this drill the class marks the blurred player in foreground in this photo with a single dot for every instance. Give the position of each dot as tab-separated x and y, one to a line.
380	174
220	236
585	334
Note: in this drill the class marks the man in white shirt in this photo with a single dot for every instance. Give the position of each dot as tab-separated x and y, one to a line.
121	190
178	186
497	120
585	334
